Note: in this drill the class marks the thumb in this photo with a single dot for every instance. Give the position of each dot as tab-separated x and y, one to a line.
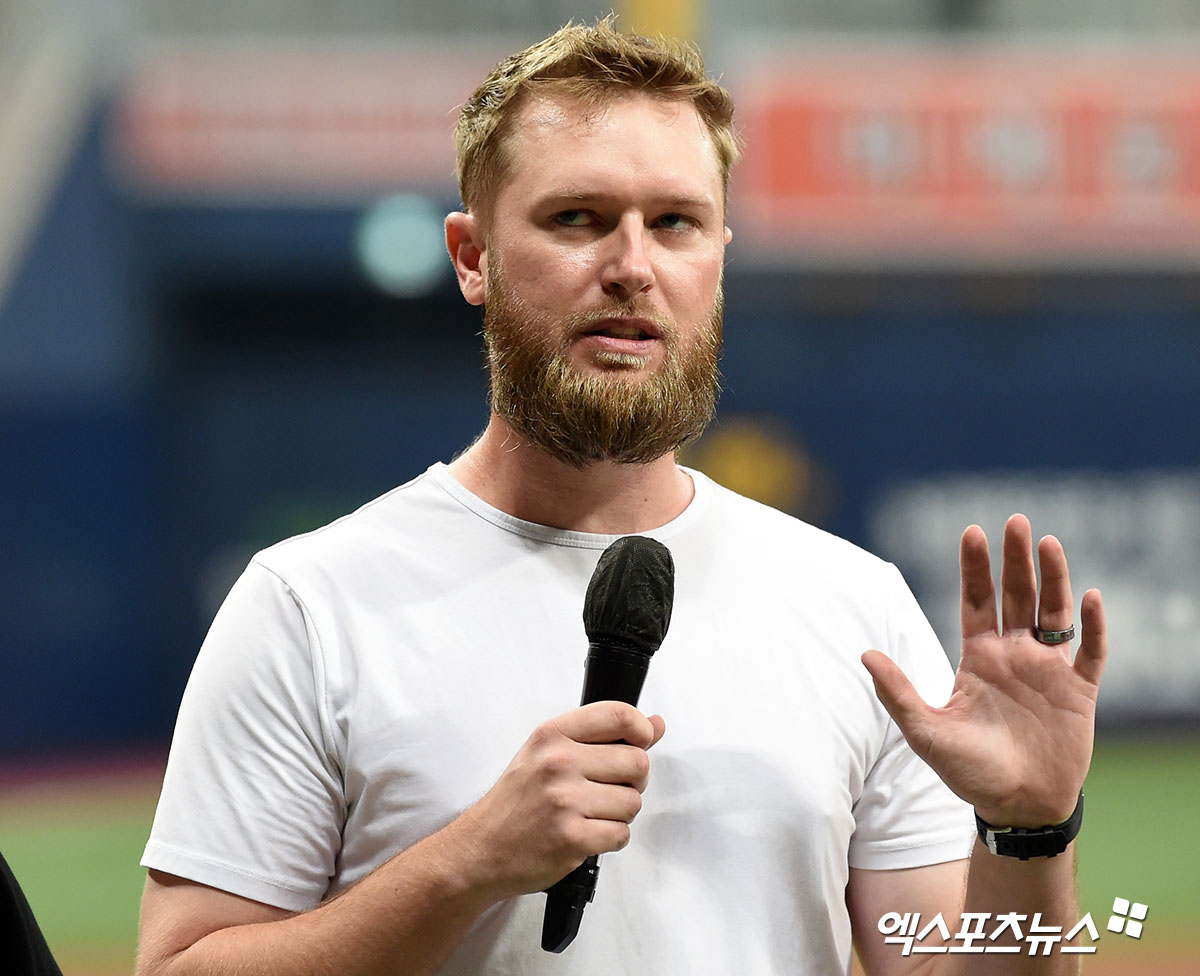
902	701
660	727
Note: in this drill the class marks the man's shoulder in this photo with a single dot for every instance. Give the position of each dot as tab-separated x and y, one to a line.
395	521
772	532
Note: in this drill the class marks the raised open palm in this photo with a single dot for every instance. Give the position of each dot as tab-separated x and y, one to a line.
1015	737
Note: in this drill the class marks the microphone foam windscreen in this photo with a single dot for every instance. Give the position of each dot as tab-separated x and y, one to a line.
629	598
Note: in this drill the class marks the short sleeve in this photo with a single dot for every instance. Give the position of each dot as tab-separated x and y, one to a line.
906	816
252	801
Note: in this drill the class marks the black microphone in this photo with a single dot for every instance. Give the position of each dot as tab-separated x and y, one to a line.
625	615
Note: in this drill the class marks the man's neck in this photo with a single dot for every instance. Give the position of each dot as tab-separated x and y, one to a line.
513	475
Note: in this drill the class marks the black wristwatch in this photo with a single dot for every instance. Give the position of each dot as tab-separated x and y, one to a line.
1027	842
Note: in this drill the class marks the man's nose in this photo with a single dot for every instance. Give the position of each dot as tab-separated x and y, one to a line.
627	268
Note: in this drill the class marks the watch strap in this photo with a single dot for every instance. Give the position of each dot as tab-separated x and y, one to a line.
1027	842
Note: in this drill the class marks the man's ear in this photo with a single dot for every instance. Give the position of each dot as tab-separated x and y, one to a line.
468	251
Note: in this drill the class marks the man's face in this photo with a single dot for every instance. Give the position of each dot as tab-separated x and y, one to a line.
603	278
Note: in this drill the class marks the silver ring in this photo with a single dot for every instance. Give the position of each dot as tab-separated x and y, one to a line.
1054	636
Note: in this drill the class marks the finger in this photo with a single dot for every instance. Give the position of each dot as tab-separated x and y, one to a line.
1056	609
1018	577
1093	645
616	764
595	825
607	835
607	721
902	701
604	802
978	590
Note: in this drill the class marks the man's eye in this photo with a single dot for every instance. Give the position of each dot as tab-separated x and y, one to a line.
674	221
573	218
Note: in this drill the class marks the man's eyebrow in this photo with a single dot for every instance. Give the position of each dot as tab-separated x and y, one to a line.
675	201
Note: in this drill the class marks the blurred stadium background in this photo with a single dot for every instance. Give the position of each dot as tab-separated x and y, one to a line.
963	283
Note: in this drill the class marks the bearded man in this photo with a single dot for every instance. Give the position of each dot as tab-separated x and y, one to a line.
371	771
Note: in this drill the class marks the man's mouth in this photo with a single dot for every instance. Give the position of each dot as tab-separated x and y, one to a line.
631	329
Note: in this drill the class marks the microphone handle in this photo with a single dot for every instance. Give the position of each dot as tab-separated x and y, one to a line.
612	673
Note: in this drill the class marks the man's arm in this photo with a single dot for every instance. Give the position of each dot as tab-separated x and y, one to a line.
407	916
571	791
987	885
926	890
1014	740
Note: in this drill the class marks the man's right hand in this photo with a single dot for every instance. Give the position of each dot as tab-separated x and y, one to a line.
571	791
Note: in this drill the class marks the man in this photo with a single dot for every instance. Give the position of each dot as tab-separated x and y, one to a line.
332	801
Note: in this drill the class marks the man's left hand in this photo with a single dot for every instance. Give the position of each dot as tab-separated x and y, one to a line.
1015	737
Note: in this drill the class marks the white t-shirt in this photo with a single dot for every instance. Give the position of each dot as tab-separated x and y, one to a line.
365	683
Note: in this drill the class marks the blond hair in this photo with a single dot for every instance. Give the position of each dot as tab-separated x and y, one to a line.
591	64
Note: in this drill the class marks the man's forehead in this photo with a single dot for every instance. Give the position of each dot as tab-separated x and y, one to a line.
549	111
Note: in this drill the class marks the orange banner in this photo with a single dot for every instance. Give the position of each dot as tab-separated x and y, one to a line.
907	154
